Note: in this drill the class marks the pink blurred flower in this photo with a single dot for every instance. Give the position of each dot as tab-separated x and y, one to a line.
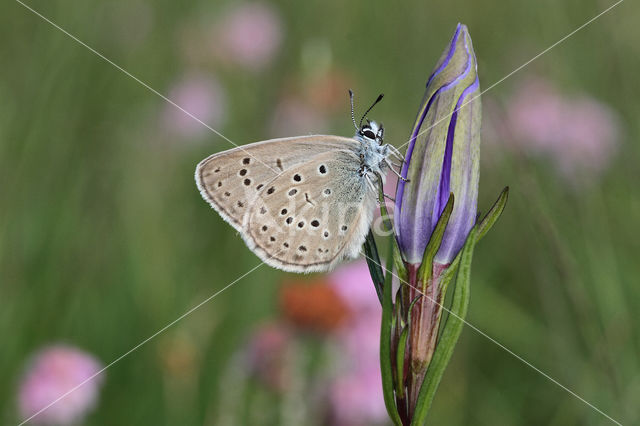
294	117
356	393
53	372
328	91
249	35
267	355
353	284
579	134
342	305
203	98
356	397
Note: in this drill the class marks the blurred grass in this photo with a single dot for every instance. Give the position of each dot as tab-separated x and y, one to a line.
104	238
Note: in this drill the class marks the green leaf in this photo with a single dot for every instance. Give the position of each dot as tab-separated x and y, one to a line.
373	261
398	262
450	333
492	216
385	344
424	273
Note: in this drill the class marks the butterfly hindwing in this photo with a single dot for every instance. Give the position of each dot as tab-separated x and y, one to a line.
311	216
232	179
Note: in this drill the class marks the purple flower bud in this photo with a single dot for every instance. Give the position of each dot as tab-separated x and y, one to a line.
443	156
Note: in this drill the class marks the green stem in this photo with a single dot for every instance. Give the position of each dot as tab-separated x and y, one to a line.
386	368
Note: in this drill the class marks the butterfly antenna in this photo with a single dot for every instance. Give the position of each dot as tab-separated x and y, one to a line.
353	117
380	96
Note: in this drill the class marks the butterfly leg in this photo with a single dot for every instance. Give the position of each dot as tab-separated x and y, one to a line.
372	185
395	172
396	153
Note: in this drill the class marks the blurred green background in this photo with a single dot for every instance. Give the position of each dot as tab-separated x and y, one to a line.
104	238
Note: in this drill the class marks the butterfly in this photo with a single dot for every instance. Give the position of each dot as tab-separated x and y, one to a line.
301	204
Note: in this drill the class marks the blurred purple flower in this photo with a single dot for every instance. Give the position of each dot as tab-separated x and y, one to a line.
203	98
250	35
356	393
53	372
579	134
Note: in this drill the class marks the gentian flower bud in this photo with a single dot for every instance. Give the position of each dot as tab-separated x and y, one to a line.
443	156
436	232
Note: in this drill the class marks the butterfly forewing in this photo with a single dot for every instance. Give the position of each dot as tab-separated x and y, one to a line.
231	180
312	216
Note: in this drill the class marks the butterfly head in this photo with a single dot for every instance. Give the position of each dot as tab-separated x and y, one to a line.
372	131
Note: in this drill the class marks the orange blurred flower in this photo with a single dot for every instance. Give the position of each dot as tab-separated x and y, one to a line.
313	305
327	92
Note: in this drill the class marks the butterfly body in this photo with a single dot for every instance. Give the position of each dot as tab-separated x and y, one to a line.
301	204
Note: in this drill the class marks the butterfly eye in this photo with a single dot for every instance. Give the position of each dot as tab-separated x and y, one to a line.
369	134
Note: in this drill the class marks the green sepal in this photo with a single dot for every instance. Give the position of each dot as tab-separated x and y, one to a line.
424	273
386	327
402	348
398	262
450	333
493	215
373	261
